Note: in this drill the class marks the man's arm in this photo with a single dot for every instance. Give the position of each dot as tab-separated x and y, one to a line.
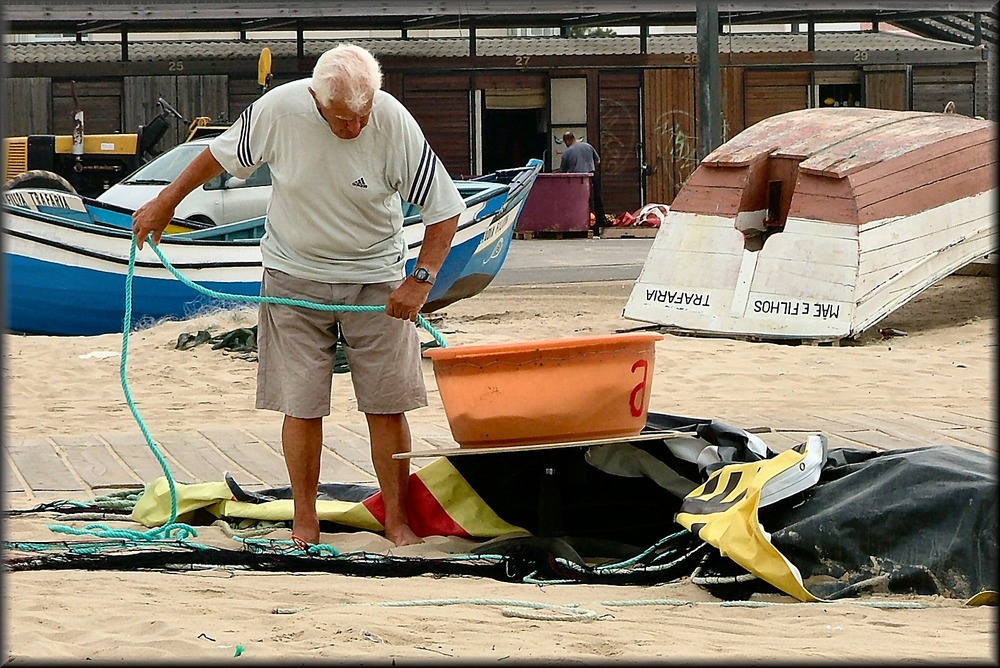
154	216
437	244
407	300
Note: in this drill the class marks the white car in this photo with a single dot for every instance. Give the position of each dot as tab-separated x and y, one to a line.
224	199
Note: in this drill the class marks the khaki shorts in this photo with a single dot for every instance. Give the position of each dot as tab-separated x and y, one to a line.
297	349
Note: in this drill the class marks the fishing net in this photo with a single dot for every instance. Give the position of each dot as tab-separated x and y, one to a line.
516	559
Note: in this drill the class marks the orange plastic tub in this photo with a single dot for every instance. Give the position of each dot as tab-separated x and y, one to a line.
546	391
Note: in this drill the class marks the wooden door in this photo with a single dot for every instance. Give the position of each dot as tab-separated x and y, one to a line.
441	105
671	133
28	106
887	87
619	136
935	86
192	96
101	102
773	92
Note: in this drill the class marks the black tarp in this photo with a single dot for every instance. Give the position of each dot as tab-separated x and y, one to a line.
921	520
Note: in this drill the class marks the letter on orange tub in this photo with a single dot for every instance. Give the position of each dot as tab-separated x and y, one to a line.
639	391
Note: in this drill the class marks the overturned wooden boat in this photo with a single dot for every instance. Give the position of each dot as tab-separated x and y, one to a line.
66	257
817	224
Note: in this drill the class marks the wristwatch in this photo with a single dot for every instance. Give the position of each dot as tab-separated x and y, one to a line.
421	275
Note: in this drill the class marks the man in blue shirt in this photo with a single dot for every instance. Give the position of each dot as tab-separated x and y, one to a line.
582	158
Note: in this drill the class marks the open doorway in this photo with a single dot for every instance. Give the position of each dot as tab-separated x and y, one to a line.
511	137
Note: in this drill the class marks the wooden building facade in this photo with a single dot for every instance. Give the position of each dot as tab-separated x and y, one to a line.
497	102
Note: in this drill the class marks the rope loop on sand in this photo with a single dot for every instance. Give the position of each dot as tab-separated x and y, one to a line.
172	531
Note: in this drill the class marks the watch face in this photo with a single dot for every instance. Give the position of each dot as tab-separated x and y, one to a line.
422	275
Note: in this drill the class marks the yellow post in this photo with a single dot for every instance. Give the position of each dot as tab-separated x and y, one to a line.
264	69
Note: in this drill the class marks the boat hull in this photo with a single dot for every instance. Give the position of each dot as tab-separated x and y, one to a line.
817	280
817	225
68	277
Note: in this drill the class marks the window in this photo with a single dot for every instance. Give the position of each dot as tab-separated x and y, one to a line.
568	112
839	95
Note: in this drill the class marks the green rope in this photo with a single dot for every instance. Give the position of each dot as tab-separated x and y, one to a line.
124	500
573	612
561	613
623	565
255	544
76	548
888	605
285	301
652	601
117	504
84	547
171	528
531	579
255	530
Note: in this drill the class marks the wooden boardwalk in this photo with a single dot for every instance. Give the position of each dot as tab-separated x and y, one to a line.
80	467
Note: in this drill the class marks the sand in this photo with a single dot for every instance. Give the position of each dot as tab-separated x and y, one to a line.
70	386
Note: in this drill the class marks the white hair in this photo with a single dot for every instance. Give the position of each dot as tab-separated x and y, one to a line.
348	73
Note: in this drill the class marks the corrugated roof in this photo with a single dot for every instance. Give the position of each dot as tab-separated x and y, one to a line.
151	16
458	47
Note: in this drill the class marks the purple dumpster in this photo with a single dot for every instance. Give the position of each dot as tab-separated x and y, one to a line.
557	203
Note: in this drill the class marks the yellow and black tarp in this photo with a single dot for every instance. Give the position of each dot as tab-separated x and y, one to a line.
440	502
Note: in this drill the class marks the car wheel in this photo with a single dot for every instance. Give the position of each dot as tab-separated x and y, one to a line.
40	178
203	219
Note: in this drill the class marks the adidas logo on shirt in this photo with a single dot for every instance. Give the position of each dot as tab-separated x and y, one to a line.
360	183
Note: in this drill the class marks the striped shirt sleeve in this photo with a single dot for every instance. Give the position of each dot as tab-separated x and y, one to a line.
424	176
238	149
425	181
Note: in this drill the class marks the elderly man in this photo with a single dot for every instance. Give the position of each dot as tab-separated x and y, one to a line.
343	154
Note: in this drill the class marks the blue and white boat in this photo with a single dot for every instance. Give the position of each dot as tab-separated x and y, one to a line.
66	257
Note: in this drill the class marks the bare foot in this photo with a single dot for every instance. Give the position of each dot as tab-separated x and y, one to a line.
403	535
306	530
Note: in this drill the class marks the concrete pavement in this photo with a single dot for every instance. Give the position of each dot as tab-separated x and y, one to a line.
542	261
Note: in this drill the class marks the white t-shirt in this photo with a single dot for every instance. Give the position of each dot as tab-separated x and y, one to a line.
335	213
